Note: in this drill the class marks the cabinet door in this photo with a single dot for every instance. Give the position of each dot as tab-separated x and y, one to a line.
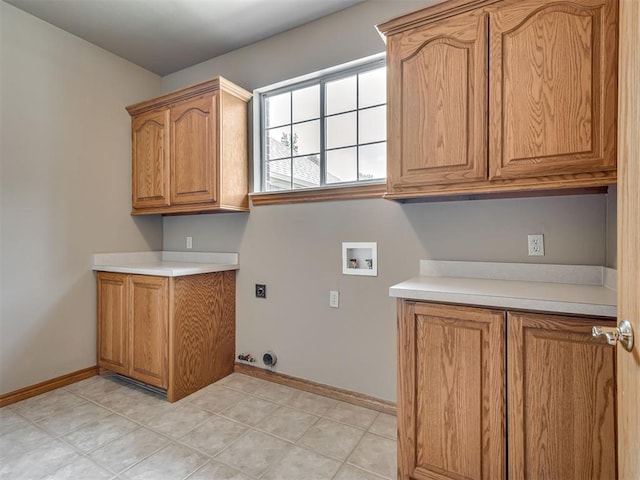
553	83
561	399
149	309
150	159
194	150
437	103
451	392
113	322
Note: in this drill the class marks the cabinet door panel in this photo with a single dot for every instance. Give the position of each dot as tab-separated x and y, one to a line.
561	399
451	401
437	103
149	329
194	158
552	88
150	159
113	322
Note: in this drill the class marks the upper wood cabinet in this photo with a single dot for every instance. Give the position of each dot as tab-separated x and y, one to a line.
553	73
193	153
493	96
189	150
437	92
150	159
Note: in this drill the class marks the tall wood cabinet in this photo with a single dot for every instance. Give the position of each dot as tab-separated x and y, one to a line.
189	150
176	333
494	96
480	389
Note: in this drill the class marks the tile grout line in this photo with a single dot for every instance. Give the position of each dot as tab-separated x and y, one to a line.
251	391
51	436
359	466
119	414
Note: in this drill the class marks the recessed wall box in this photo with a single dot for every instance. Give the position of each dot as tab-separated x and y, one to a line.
360	258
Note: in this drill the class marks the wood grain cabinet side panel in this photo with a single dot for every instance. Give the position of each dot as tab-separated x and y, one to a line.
437	103
194	152
202	348
113	322
150	159
553	70
226	327
452	392
234	151
562	399
149	329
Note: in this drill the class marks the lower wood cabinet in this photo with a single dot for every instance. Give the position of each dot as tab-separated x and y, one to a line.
176	333
561	398
489	394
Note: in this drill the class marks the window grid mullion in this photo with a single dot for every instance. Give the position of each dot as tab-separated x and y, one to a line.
355	145
263	146
357	127
323	132
370	107
291	136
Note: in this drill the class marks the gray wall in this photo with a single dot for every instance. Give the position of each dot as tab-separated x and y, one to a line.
296	249
65	192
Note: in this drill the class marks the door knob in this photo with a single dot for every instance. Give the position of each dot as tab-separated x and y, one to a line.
622	333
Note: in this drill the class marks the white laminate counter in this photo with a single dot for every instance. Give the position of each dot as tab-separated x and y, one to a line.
165	264
582	290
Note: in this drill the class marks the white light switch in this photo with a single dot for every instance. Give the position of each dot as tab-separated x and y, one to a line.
334	299
189	243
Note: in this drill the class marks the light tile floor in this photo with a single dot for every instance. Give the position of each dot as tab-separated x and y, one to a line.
240	428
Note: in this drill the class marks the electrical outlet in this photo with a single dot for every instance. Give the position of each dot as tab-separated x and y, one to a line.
261	290
189	243
536	245
334	299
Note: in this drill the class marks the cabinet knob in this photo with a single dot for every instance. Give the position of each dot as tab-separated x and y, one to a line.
623	333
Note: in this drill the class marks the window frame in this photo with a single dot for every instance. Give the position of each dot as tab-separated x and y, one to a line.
374	188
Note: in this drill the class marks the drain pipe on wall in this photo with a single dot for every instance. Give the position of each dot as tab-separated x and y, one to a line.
269	359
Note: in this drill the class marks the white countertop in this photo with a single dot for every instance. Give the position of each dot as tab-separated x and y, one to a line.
583	290
165	264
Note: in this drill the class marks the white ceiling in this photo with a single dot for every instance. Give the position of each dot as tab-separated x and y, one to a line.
168	35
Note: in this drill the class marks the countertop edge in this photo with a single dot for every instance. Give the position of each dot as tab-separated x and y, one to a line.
567	298
541	305
165	263
159	271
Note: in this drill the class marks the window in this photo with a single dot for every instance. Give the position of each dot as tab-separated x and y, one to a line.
325	131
